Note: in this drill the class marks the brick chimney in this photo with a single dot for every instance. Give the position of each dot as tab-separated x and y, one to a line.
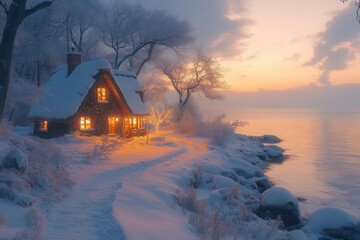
73	59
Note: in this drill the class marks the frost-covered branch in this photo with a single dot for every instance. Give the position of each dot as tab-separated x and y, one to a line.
37	7
4	7
133	33
202	73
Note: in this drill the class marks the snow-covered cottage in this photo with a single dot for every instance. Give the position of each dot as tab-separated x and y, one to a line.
92	98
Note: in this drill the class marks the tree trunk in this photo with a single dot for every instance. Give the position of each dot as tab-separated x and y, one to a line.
14	17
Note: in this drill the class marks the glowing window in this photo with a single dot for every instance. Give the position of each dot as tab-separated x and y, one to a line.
102	95
44	125
85	123
131	122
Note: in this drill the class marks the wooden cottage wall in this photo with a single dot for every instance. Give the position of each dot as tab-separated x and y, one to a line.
99	112
54	129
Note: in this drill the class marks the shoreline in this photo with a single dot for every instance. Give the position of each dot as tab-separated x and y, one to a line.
261	152
175	179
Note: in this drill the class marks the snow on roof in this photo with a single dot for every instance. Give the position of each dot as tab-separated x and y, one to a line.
129	86
64	94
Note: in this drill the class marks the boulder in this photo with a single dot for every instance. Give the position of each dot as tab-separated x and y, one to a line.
230	174
246	169
267	139
274	153
278	201
297	235
262	183
333	223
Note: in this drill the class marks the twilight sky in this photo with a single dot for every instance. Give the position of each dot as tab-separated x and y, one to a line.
275	44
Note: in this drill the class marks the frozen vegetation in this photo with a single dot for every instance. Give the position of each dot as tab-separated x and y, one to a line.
33	175
177	186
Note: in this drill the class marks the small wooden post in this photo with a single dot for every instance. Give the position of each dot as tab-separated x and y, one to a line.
148	132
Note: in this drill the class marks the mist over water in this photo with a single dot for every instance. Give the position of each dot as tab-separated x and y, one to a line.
324	153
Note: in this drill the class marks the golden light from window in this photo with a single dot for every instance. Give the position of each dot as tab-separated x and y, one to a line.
134	121
117	119
102	95
44	125
85	123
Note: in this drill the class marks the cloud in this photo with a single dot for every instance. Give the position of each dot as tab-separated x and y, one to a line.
337	45
293	58
220	26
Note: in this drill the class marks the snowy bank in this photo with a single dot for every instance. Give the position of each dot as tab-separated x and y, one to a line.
175	187
32	173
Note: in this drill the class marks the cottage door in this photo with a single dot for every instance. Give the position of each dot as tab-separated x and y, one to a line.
112	125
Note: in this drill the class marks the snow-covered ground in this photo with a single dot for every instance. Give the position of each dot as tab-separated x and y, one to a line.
173	187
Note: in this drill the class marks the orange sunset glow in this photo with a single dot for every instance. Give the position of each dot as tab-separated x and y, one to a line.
268	44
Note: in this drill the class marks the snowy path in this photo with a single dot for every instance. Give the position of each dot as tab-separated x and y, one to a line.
145	206
88	212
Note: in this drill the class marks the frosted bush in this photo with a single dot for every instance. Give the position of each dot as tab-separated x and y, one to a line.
19	198
47	169
16	160
31	162
103	150
218	129
197	176
186	198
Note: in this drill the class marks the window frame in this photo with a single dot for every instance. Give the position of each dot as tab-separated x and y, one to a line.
86	123
102	94
44	125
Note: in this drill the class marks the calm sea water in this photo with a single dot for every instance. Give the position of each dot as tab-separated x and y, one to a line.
324	153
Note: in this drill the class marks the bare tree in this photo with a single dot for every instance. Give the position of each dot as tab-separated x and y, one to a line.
199	74
155	90
16	12
119	23
134	33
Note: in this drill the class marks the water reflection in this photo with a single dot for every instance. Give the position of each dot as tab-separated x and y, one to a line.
324	149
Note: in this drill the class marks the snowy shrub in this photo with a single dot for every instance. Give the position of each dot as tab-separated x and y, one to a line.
218	129
213	225
186	198
16	160
103	150
47	169
197	176
19	198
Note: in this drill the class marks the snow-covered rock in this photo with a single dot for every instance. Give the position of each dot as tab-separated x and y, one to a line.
333	222
297	235
262	183
279	201
274	152
247	170
266	139
230	174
